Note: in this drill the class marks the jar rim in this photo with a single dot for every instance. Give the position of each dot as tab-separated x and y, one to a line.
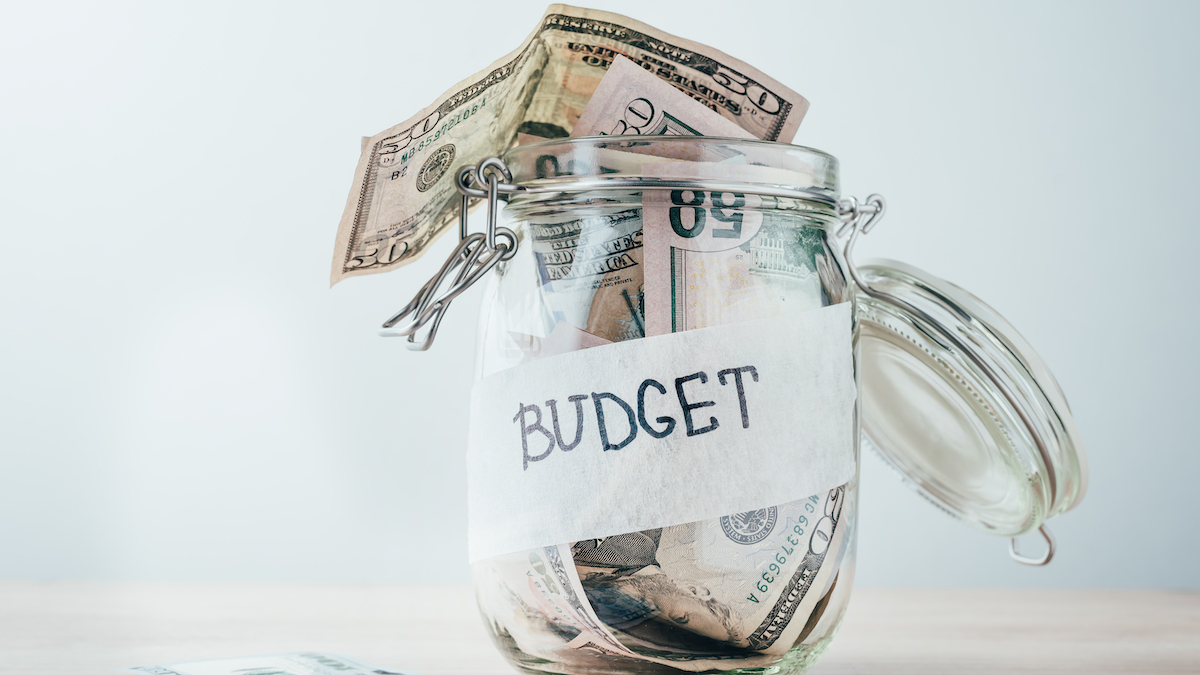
620	162
664	140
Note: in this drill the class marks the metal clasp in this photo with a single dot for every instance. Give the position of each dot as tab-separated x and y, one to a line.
475	255
862	217
1034	562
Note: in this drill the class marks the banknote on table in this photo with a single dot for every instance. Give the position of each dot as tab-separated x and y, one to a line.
403	196
296	663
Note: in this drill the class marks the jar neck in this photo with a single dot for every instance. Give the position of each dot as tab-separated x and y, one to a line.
526	206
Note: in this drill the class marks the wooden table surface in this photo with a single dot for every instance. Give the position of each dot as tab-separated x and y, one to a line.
80	628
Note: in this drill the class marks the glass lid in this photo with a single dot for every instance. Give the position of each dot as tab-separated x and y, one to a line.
961	405
957	401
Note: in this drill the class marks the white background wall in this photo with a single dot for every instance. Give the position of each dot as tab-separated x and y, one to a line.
183	397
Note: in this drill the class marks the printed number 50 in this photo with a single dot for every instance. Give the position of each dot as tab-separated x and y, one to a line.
723	210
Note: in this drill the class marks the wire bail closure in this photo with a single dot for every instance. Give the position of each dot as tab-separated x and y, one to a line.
475	255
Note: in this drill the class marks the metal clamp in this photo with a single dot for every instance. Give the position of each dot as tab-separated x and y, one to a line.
1035	562
861	219
475	255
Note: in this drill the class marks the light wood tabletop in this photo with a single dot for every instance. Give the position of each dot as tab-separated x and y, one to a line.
80	628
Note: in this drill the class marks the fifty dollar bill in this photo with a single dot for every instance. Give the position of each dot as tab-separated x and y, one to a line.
403	195
592	266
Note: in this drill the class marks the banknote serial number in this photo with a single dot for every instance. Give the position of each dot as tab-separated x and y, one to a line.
397	151
794	537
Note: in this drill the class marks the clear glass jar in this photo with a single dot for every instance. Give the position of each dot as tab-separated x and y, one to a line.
681	598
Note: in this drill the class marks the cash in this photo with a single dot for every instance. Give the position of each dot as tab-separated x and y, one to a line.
633	101
403	198
713	258
701	594
592	267
707	595
733	592
535	600
297	663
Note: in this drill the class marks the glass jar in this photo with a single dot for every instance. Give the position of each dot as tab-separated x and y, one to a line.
577	280
609	249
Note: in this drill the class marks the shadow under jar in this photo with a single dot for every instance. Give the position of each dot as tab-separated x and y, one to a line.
620	238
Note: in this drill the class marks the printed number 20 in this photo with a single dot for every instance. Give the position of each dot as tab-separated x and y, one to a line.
722	210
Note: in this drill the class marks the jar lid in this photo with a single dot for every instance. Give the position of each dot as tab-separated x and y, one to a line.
961	405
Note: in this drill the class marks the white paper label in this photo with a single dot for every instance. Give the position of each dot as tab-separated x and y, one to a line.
660	431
